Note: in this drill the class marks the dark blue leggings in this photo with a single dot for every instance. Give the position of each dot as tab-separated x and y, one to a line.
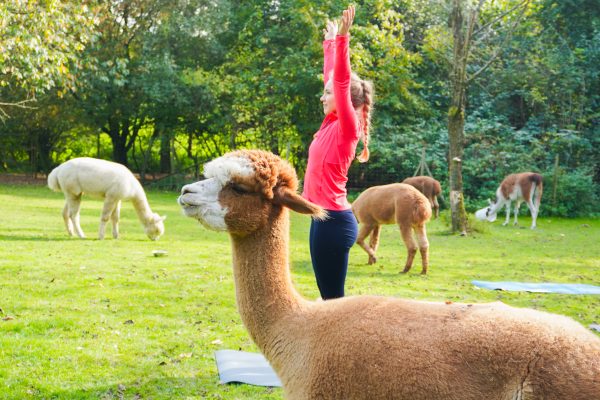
330	243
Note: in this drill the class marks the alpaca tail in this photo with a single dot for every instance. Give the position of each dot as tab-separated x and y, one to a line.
53	182
422	210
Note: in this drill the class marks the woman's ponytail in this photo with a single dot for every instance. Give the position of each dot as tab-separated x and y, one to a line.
366	102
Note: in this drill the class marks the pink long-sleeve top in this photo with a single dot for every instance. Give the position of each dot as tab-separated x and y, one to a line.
334	145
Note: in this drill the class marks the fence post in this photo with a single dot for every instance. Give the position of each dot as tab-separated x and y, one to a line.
555	181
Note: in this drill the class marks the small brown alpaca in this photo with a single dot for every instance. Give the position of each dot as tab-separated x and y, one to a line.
375	347
430	187
396	203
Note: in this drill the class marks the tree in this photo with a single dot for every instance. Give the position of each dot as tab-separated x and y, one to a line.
142	52
41	44
466	34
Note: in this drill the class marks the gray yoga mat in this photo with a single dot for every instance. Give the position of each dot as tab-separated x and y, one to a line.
564	288
244	367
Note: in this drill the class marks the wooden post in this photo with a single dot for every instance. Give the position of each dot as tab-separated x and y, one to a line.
555	181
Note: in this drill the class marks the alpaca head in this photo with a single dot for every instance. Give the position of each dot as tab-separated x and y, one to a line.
487	214
155	227
242	191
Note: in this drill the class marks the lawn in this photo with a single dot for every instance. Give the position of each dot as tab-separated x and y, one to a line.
89	319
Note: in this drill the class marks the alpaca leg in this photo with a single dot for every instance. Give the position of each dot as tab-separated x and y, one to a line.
423	247
410	244
534	213
517	206
364	231
507	214
436	207
74	203
374	242
107	210
115	220
67	219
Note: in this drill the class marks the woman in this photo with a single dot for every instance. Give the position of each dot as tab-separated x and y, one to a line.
347	102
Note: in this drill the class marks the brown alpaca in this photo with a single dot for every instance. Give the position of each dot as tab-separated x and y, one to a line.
397	203
369	347
430	188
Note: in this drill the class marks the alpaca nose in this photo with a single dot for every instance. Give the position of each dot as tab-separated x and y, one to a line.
186	189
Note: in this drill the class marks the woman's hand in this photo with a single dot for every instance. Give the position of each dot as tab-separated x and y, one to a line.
330	30
347	19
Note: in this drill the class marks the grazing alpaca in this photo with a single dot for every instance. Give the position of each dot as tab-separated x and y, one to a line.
109	180
369	347
397	203
518	187
430	187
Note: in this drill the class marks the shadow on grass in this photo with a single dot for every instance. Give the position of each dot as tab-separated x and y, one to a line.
34	238
165	388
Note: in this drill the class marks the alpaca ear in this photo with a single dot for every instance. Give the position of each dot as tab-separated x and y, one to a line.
163	217
292	200
490	202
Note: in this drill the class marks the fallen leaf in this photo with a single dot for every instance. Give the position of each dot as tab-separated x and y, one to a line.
217	341
8	318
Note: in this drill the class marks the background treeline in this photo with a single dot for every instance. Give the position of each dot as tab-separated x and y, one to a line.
165	85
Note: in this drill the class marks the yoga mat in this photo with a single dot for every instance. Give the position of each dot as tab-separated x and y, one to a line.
244	367
564	288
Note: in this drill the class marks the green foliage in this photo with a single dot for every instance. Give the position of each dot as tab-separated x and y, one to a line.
42	42
575	195
185	81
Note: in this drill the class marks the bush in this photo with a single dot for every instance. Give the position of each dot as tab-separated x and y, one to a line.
575	195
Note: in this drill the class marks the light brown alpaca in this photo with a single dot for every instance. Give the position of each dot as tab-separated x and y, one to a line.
430	187
370	347
397	203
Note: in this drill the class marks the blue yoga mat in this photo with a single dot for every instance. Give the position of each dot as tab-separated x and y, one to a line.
564	288
244	367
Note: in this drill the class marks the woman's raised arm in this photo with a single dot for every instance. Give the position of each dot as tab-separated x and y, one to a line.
329	34
341	77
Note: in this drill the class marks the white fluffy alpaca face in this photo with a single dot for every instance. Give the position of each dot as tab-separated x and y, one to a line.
156	228
485	214
200	200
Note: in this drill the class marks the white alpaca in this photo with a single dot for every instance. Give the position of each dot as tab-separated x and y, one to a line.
525	186
108	180
369	347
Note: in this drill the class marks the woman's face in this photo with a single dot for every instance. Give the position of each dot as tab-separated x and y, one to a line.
327	99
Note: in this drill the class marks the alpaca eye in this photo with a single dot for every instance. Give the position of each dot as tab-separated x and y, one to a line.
238	189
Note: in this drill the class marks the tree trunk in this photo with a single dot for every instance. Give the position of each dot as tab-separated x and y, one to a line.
165	150
456	125
119	143
456	119
45	145
119	151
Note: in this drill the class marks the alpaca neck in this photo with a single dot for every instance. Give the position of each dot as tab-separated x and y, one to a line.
264	289
142	208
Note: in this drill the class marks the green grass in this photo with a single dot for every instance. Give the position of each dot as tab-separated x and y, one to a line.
107	320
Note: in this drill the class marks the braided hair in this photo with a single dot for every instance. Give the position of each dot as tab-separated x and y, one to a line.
361	94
